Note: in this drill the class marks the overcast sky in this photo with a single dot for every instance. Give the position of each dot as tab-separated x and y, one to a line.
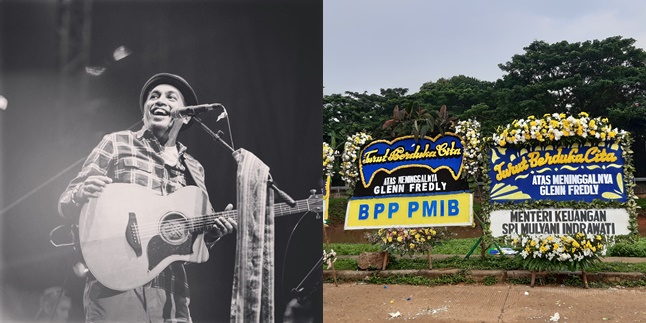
374	44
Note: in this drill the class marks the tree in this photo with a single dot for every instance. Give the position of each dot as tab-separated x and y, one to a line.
460	93
591	76
346	114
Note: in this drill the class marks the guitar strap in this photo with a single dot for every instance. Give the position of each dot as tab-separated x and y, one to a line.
188	176
191	179
252	298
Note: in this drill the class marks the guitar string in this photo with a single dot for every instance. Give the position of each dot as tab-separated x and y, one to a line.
150	230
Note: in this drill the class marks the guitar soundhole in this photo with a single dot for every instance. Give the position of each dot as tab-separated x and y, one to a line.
173	228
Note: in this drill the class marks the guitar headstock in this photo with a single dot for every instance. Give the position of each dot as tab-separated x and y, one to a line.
315	202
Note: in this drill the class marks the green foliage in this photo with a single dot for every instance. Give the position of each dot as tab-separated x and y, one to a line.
343	264
450	279
627	249
336	210
641	203
417	122
352	112
455	246
460	93
639	267
586	76
489	262
490	280
601	77
354	249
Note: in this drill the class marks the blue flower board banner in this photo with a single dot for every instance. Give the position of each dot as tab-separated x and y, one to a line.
441	152
570	173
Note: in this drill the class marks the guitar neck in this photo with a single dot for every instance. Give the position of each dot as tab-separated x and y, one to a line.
206	222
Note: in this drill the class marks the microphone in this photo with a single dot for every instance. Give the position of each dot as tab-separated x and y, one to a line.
192	110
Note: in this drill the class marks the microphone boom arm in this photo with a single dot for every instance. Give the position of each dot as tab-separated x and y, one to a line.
288	199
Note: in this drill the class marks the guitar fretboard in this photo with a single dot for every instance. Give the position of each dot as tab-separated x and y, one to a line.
206	222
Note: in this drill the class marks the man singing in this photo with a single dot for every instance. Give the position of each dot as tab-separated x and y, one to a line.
153	158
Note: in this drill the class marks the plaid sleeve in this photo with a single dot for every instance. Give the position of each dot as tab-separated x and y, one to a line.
97	163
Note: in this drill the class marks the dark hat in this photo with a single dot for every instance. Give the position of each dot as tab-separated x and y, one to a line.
171	79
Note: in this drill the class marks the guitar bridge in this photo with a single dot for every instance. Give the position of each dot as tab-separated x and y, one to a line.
132	234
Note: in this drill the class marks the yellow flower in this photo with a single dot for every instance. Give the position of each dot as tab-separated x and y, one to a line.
390	239
399	239
412	245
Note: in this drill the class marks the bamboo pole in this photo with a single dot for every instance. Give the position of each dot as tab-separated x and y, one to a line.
327	242
386	258
430	260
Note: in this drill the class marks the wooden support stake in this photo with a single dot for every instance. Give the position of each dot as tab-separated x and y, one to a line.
386	256
327	242
585	279
430	260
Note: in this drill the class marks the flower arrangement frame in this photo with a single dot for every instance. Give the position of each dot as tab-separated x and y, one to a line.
560	130
329	156
349	163
408	241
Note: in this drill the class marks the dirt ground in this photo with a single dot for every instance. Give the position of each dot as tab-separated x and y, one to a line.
352	302
356	302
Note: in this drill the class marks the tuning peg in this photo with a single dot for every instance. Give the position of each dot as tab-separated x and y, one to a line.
80	269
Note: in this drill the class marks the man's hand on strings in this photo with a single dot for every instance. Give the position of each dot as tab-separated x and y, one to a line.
224	225
92	187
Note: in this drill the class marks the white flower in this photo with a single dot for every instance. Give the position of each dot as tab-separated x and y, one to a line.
349	157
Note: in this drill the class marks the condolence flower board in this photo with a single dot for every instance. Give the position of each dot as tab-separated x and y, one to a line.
411	182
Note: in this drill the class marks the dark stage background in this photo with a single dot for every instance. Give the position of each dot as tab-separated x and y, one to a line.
260	59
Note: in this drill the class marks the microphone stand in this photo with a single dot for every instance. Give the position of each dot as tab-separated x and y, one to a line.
290	201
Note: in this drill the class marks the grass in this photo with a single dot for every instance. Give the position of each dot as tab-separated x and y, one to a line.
460	247
623	249
451	247
477	263
463	246
352	249
455	247
420	280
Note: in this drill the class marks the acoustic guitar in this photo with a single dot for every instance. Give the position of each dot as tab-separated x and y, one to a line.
128	235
